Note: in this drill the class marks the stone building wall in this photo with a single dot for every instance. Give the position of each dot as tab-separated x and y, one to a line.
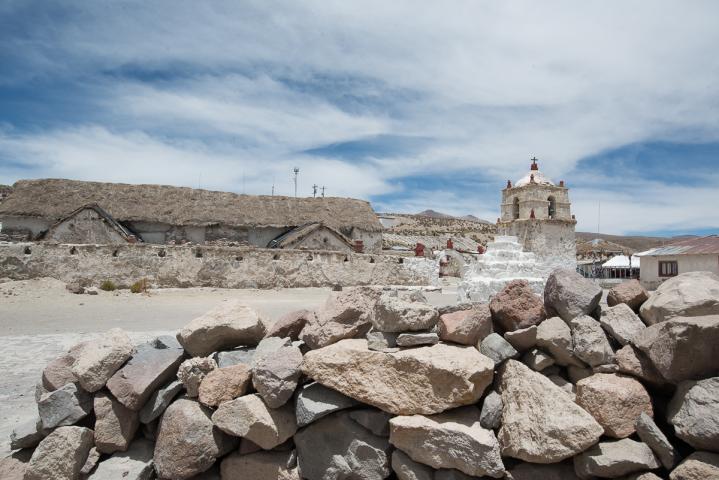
209	266
86	225
552	241
649	270
535	197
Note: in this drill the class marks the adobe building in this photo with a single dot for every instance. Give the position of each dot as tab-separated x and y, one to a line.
700	254
63	210
538	213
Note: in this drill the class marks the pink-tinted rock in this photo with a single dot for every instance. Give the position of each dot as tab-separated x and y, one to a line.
115	424
630	292
224	384
466	327
517	306
291	324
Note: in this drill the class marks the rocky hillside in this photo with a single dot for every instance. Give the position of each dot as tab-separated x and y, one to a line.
379	384
632	243
433	230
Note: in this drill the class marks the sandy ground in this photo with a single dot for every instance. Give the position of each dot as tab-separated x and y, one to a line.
39	319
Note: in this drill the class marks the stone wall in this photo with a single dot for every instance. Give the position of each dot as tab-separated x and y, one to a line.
224	267
552	241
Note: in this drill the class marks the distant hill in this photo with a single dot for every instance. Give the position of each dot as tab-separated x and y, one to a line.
436	214
633	243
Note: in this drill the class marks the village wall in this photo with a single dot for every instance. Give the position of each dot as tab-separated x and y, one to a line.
209	266
27	228
649	271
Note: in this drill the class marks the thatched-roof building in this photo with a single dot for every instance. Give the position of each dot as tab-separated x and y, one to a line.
4	192
161	213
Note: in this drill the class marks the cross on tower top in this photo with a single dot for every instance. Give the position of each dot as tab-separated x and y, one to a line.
534	165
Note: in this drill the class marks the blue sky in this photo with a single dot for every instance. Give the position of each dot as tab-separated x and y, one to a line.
411	105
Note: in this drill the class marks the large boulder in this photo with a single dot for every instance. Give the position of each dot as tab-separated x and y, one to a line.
315	401
517	306
159	401
589	341
249	417
187	441
345	314
555	336
692	294
152	365
466	327
393	313
452	439
59	371
27	434
491	414
61	455
614	459
64	406
523	339
227	326
100	358
541	423
290	325
134	464
275	374
260	466
697	466
570	294
650	434
223	384
615	401
336	447
115	424
630	293
632	361
622	323
682	348
420	380
694	412
376	421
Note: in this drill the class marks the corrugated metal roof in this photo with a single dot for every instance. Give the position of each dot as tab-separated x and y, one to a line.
694	246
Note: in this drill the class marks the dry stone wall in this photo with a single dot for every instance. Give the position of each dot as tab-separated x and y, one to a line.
223	267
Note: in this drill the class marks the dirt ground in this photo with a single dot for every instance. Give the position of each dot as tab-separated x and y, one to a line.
39	319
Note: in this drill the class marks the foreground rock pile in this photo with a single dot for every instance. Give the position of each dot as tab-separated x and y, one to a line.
379	384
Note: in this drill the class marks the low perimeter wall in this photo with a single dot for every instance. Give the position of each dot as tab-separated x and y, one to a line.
206	266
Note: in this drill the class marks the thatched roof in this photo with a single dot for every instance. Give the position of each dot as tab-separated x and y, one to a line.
54	198
5	189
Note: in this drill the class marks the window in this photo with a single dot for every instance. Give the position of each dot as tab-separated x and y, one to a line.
552	207
668	269
515	208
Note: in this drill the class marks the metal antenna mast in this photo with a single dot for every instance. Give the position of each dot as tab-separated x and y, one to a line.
297	171
314	190
323	191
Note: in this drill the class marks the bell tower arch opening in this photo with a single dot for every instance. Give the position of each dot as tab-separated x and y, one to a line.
515	208
551	207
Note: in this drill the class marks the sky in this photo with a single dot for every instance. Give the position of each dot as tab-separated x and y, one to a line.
411	105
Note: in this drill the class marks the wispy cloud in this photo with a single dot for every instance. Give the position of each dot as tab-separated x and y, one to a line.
365	96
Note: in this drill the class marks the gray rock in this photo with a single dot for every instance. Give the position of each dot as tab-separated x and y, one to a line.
315	401
260	466
445	474
152	365
93	458
235	357
622	323
290	325
100	358
159	401
589	341
407	469
614	459
268	346
193	371
555	336
382	341
632	361
115	424
187	441
692	294
682	348
697	466
491	415
416	339
395	314
561	382
497	348
534	471
59	371
227	326
64	406
452	440
578	373
522	340
650	434
537	360
336	447
61	455
376	421
570	294
275	374
27	434
134	464
694	412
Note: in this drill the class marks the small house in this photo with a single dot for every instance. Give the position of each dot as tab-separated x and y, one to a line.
690	255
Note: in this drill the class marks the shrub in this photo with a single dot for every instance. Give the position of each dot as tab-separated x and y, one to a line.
108	286
140	286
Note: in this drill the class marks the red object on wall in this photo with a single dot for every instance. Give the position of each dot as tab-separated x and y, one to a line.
419	250
561	183
450	245
359	246
534	165
509	184
480	249
531	214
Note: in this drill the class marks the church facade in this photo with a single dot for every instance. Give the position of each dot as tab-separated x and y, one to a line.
538	212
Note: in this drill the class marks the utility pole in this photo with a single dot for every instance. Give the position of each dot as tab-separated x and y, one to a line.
273	185
297	171
323	191
314	191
